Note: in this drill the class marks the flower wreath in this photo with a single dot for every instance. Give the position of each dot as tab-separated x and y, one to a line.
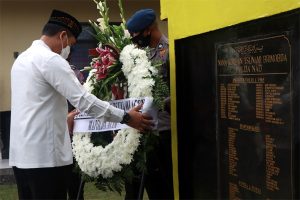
118	70
96	160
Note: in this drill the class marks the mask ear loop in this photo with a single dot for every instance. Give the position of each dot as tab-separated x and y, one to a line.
67	38
62	44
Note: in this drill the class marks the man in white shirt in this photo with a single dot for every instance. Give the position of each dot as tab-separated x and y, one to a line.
41	81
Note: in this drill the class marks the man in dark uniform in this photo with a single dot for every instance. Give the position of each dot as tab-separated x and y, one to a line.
158	178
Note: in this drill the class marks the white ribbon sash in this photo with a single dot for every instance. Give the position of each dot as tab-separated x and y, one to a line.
84	123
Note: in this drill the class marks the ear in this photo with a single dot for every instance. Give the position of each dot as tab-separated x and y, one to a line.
62	34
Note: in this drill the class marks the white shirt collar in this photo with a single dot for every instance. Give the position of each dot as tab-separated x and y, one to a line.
40	43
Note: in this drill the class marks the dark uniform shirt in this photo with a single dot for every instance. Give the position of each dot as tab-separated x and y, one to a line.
160	54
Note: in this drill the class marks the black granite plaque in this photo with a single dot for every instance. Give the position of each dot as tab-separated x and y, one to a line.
238	110
254	117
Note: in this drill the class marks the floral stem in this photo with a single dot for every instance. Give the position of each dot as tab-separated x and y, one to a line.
122	14
116	74
157	65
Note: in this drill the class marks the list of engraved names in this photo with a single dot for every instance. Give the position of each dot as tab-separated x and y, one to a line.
254	95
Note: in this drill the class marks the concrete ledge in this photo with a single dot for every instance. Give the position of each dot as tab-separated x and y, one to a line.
7	179
4	164
6	173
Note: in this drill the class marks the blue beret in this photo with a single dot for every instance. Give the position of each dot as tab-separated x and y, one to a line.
140	20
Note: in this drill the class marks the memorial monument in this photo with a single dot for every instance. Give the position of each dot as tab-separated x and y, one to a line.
238	110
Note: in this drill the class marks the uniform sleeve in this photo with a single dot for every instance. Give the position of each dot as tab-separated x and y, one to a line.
58	73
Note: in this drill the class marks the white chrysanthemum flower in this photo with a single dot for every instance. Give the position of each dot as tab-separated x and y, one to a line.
89	83
105	161
126	51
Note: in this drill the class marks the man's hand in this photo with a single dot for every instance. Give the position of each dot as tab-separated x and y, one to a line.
70	120
140	121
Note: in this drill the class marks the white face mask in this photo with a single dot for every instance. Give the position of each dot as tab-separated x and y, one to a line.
65	51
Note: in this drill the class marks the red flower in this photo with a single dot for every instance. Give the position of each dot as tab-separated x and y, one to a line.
93	52
101	73
106	58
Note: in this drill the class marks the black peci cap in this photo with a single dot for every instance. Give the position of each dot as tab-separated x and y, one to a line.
64	19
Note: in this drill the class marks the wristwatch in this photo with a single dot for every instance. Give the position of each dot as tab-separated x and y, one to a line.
126	118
